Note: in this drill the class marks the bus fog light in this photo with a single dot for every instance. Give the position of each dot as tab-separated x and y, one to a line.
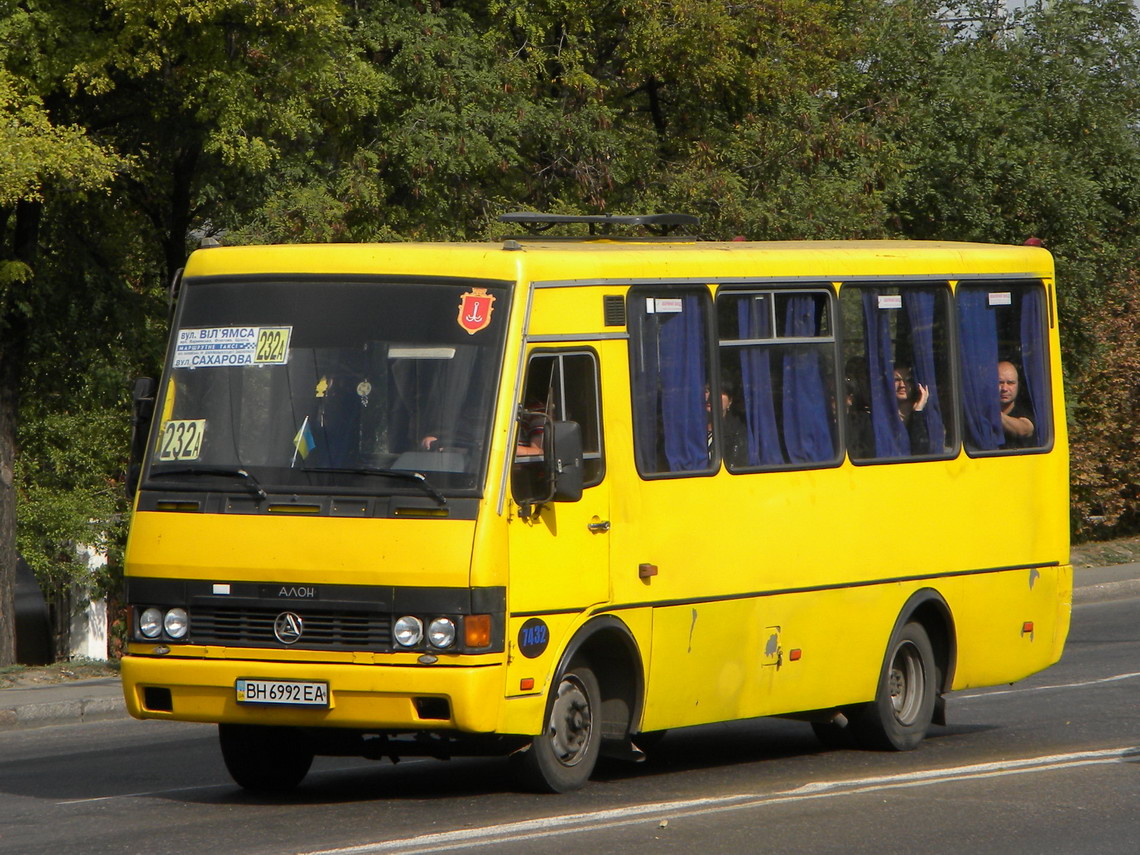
176	623
408	631
441	632
150	623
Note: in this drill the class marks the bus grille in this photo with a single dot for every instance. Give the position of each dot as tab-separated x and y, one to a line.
322	630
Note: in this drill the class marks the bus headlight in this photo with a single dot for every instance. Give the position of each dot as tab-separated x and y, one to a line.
408	631
441	632
176	623
150	623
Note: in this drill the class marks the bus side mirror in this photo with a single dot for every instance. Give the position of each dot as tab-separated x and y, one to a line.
554	476
142	411
564	462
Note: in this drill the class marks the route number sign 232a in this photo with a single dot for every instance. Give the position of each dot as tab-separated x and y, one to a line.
181	439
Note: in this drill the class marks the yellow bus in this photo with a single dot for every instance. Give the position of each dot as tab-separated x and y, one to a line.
549	497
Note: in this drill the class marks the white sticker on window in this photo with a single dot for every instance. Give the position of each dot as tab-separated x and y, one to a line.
213	347
667	304
1001	298
890	301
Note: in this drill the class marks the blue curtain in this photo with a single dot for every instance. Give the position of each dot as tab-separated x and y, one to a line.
807	420
756	378
645	356
891	438
670	371
1033	357
920	312
977	327
683	379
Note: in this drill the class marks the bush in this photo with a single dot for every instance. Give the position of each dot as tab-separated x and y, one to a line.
1104	442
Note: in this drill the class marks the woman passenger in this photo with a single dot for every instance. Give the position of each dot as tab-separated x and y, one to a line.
911	399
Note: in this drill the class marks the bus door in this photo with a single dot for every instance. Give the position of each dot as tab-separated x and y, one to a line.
559	549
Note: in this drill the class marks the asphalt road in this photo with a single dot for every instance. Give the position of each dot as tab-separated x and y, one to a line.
1050	765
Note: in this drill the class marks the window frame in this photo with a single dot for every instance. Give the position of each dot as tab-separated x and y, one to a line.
993	284
559	354
949	377
783	342
668	291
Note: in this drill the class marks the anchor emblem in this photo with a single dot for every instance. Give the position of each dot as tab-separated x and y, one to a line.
475	309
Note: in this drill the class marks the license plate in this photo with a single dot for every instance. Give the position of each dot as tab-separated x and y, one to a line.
286	692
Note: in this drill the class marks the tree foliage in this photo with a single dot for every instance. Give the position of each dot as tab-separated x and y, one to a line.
1104	441
140	123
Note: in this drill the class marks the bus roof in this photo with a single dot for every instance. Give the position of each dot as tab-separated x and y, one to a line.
552	260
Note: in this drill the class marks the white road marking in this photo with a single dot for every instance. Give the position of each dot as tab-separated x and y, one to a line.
514	832
1082	684
227	786
143	795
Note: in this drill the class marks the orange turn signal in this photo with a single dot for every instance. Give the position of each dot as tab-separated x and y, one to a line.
477	630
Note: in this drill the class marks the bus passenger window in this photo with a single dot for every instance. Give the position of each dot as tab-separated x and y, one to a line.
898	394
670	366
778	349
1005	377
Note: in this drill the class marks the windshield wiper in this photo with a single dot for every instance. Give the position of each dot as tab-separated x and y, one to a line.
251	483
406	474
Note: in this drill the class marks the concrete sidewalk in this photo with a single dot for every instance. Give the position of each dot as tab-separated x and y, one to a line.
102	699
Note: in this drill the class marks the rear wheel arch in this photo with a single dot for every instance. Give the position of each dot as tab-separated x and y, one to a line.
917	668
928	608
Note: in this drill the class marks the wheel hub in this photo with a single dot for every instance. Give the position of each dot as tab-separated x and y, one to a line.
907	683
570	723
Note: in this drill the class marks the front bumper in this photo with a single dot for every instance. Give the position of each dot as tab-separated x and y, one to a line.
363	696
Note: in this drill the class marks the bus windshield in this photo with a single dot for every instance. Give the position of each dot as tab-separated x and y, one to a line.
365	385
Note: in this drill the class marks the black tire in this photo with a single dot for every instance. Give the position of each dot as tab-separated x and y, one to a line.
900	715
265	759
563	756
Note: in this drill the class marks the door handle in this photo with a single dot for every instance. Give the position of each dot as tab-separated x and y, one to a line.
599	526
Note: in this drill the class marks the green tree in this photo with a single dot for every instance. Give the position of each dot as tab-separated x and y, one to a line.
174	108
39	155
1105	444
1017	125
729	111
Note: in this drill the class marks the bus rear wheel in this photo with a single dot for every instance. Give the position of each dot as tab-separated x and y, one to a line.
265	759
563	756
900	715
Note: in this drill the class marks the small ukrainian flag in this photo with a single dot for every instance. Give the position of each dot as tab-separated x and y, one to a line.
303	441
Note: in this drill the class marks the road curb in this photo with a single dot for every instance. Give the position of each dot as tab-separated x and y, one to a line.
67	711
1106	591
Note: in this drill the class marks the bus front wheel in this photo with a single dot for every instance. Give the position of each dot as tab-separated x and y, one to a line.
901	713
265	759
563	756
